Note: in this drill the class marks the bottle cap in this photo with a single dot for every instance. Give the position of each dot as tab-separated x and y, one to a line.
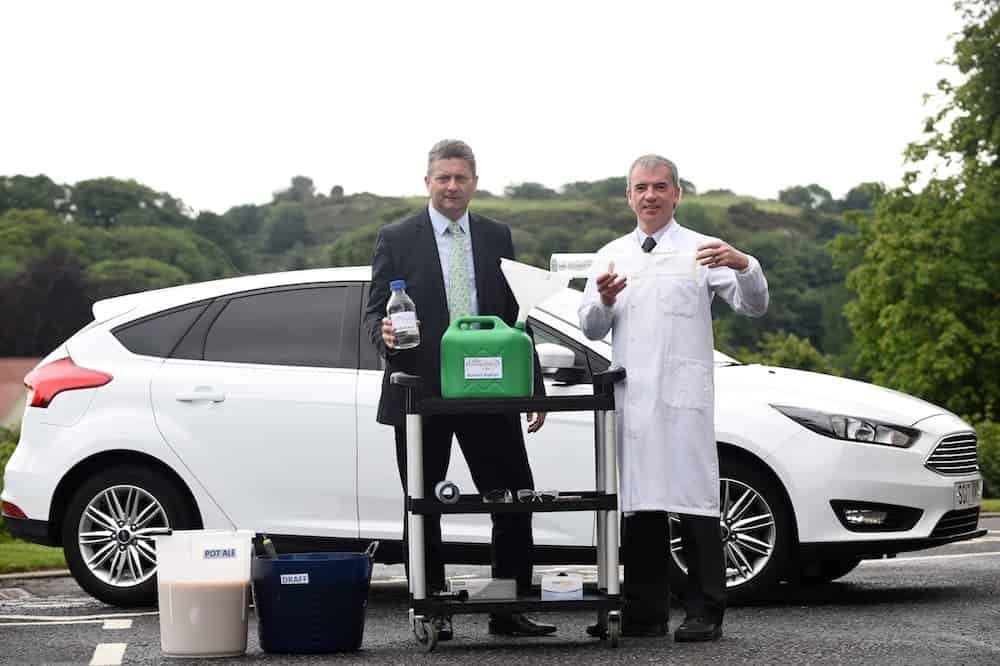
397	284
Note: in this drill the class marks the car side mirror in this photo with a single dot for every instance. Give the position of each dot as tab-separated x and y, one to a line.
559	363
553	357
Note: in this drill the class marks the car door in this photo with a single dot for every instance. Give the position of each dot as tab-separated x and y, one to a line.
258	400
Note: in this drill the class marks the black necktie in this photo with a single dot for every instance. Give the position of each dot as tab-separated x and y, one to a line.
648	244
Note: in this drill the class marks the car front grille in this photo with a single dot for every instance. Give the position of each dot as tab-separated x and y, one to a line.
957	522
954	454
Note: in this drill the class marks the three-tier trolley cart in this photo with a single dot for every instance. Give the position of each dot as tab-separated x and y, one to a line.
606	598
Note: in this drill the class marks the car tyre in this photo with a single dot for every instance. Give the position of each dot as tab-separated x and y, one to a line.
752	571
108	528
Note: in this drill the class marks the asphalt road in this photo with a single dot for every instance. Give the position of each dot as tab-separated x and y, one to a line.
931	607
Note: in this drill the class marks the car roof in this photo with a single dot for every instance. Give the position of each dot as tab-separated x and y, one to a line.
147	302
563	305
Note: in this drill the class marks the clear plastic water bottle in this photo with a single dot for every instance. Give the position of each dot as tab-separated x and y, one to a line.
403	314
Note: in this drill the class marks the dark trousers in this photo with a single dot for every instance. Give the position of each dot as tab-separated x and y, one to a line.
645	541
493	446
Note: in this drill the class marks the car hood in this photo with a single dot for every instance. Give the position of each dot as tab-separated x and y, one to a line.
812	390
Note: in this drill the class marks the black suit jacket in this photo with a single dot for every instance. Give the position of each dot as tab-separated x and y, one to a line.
407	250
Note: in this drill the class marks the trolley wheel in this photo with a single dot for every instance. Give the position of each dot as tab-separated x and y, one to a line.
426	634
614	629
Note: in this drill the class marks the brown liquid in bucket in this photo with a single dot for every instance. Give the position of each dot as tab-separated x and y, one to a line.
199	619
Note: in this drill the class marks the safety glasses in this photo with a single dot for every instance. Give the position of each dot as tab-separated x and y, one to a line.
505	496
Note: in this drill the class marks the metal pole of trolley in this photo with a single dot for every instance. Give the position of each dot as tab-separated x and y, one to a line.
414	482
599	465
611	518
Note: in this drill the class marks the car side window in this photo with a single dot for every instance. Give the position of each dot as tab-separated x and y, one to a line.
156	335
312	326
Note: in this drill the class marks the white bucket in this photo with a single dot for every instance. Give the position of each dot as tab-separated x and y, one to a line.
202	579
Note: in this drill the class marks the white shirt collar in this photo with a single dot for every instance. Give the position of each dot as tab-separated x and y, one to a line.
441	222
663	234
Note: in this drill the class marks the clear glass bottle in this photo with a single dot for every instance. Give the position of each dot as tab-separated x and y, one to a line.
403	314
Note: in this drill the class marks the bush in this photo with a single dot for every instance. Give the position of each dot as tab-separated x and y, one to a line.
8	440
989	457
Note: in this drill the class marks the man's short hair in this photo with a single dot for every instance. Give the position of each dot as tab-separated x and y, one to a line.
651	162
451	149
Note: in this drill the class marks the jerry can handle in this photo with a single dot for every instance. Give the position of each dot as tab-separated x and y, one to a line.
491	320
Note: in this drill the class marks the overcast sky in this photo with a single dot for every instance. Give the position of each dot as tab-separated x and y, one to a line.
221	103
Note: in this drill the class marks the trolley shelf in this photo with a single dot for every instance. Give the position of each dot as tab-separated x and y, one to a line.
472	503
563	403
526	603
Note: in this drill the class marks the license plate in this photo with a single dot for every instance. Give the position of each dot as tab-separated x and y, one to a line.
968	494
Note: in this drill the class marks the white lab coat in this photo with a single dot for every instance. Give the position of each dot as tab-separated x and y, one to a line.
662	336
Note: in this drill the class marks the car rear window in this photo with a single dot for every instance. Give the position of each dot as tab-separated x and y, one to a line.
156	335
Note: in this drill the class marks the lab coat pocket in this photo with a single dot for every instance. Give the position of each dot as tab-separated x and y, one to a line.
679	297
687	384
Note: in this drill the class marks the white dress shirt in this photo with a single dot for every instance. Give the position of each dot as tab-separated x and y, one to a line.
443	239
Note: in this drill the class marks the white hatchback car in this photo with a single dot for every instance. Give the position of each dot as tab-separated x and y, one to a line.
250	403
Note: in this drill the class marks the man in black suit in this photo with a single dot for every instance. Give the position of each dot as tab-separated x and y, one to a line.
450	260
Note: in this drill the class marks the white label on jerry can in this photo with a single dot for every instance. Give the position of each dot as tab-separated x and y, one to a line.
484	367
295	579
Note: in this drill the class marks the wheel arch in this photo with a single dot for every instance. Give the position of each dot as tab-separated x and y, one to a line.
84	469
733	452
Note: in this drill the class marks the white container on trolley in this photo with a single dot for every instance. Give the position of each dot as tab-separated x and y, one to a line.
202	580
562	587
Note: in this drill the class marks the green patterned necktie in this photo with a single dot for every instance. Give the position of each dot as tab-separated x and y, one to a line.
459	293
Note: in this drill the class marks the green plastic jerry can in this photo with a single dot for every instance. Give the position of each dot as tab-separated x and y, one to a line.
482	357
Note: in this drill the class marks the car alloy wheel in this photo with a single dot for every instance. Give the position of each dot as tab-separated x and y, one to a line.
748	532
108	530
116	533
757	531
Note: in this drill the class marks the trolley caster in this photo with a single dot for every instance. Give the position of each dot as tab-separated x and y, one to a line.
614	628
426	633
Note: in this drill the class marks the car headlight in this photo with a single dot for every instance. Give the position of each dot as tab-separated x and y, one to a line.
851	428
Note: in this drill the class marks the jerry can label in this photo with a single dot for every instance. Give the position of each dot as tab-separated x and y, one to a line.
295	579
219	553
484	367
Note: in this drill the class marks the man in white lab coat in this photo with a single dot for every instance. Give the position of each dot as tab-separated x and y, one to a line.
654	290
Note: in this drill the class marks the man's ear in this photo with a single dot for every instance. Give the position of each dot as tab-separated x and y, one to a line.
427	182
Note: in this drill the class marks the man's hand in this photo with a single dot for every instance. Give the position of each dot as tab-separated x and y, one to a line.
535	421
609	285
717	254
388	333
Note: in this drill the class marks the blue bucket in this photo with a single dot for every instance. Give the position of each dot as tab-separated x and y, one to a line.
311	603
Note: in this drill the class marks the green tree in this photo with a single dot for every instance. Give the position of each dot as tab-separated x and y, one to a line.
529	191
26	192
302	190
593	239
862	197
287	227
809	196
356	247
114	277
926	319
607	188
106	202
788	350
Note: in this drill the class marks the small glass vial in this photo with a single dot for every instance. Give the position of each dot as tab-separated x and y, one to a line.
403	314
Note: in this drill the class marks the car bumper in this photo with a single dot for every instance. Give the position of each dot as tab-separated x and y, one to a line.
877	549
35	531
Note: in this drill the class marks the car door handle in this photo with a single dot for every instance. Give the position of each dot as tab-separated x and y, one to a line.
201	396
